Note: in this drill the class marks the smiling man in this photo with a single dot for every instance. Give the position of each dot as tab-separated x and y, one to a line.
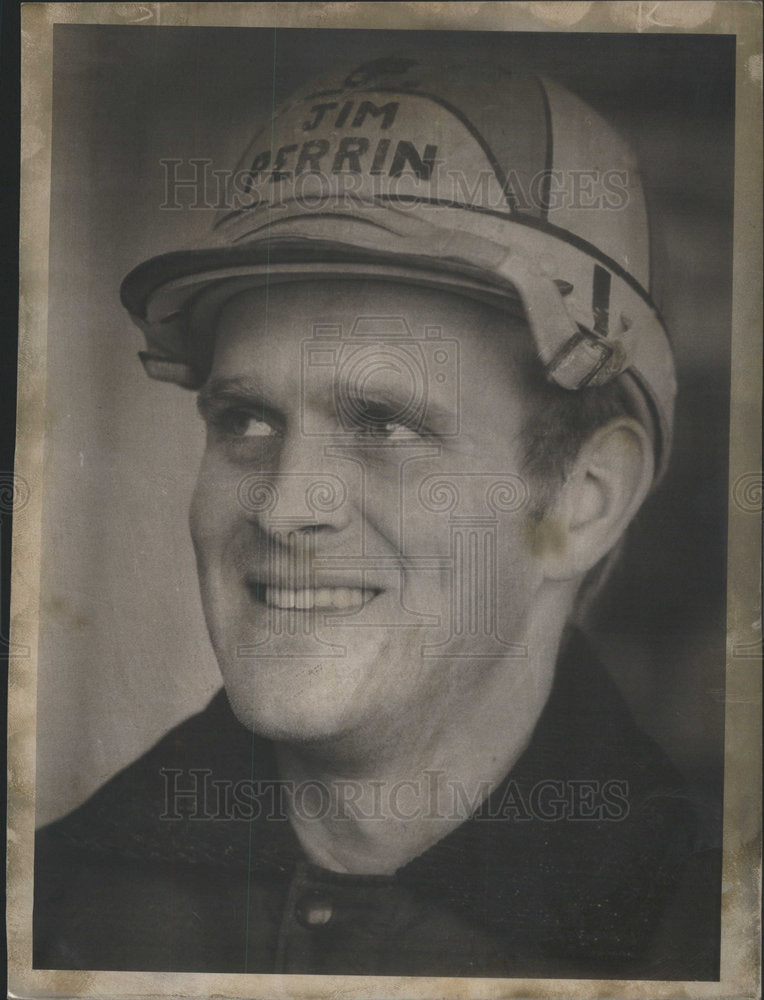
377	701
436	393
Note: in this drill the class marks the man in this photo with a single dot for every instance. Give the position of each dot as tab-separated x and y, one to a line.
436	394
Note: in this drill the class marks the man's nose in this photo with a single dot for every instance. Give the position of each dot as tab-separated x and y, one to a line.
304	491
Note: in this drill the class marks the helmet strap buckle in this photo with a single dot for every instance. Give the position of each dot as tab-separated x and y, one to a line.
586	359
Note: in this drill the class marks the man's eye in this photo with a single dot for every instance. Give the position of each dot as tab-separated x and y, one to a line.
379	423
240	424
386	431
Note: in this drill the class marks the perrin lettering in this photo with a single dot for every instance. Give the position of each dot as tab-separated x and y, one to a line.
349	155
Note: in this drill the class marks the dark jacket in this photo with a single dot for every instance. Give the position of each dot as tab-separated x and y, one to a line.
582	863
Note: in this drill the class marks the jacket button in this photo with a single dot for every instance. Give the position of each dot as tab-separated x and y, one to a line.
314	909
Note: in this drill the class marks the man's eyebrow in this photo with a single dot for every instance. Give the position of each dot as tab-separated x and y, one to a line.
394	399
230	389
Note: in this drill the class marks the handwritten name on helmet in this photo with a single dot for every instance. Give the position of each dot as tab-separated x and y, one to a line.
344	154
388	131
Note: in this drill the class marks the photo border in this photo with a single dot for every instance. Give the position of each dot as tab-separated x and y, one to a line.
740	953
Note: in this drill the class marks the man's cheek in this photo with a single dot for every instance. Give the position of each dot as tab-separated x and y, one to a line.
209	528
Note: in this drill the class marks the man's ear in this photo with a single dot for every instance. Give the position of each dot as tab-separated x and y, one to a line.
604	490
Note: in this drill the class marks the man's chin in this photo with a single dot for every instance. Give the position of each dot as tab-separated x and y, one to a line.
284	702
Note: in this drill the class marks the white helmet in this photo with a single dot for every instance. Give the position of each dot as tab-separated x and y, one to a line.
503	187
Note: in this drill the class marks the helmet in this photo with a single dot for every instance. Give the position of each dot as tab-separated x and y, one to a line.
500	186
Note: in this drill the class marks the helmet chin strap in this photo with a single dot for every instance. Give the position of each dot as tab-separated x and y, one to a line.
573	356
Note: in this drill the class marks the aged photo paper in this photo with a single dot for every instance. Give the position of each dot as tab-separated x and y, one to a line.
386	613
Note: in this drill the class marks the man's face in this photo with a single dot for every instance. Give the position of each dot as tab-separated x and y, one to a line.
359	520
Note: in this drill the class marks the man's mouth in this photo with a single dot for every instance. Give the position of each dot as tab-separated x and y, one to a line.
312	598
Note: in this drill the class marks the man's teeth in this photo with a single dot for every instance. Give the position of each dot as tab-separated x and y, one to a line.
323	598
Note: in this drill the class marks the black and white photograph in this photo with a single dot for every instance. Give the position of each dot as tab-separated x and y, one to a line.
385	483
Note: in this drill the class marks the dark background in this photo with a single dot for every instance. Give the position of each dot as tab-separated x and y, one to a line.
123	617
